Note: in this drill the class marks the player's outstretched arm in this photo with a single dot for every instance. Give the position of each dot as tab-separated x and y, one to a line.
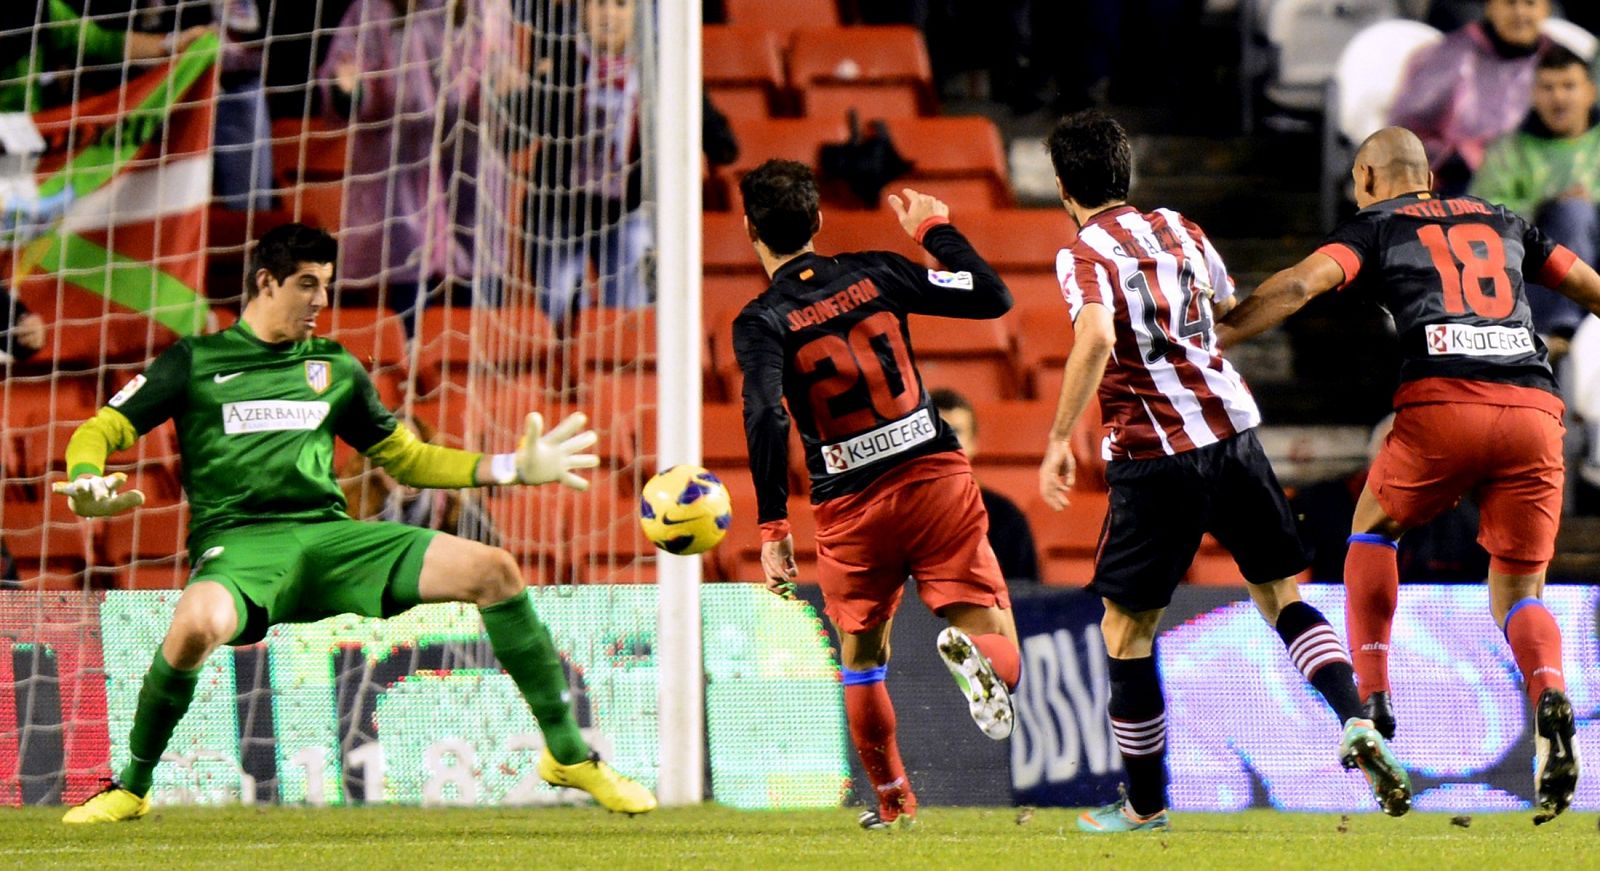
1086	365
1582	286
1279	297
540	458
971	288
91	492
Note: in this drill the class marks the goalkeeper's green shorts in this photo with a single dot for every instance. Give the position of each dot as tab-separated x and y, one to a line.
299	572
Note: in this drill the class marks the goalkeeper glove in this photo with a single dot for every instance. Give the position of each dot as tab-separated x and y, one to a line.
97	496
542	457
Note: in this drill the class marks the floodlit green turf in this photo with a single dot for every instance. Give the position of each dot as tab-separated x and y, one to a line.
710	837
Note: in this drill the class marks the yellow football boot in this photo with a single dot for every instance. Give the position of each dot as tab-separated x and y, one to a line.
110	805
610	789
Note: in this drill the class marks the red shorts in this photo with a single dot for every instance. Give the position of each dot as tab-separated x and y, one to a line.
924	519
1507	457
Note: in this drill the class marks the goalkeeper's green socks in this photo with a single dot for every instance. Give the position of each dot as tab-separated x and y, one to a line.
163	699
523	646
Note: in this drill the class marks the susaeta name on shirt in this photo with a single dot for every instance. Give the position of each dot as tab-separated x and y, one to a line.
272	415
885	441
1474	341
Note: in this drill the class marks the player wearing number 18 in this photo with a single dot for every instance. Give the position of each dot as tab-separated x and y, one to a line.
1476	413
257	407
893	493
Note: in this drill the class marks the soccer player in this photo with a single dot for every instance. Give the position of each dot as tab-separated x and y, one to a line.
1183	460
894	495
1476	413
257	407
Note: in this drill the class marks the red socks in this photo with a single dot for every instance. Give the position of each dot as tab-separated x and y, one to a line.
872	723
1372	587
1536	643
1003	654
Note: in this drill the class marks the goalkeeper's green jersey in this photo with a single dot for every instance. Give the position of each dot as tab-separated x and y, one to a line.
256	423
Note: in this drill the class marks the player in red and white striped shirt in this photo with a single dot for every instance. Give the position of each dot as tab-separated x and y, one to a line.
1183	460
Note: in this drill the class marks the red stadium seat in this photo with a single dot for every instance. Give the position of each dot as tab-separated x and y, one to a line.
965	148
318	204
869	102
892	60
152	533
1073	531
1044	341
311	150
761	139
725	247
610	338
1020	240
844	231
373	336
782	18
1035	290
721	294
743	69
969	355
47	534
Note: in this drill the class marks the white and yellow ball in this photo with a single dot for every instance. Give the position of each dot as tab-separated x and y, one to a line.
685	510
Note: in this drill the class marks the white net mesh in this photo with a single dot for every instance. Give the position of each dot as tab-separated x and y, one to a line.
484	166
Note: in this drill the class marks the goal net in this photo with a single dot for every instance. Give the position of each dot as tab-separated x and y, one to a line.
486	166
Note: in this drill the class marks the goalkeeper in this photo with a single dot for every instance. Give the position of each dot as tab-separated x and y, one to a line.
257	407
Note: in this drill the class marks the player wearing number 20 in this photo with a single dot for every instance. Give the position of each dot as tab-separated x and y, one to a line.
893	493
1476	413
257	407
1184	460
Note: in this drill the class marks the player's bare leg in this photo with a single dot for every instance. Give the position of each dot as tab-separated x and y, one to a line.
980	650
1515	592
1139	722
1372	590
204	620
457	570
1318	654
864	660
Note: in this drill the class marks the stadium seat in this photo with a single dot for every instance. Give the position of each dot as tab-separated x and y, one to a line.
1020	240
1012	431
720	294
318	204
1044	340
743	69
1362	88
153	533
1012	479
1073	531
973	356
609	338
869	102
308	150
373	336
1308	36
47	534
799	139
967	149
844	231
1214	568
725	247
152	464
1573	36
781	18
1031	289
885	69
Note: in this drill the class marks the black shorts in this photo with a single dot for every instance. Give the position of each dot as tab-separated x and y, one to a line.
1160	508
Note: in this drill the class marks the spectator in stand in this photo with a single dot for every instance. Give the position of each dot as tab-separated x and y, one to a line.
1549	172
1009	532
1471	88
385	72
587	186
22	334
40	38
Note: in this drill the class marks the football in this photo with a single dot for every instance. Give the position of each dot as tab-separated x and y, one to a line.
685	510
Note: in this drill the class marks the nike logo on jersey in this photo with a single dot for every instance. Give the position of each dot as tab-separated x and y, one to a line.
224	379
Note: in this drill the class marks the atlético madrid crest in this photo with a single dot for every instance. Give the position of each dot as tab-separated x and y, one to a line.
318	375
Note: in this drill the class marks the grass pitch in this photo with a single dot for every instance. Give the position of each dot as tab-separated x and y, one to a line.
716	838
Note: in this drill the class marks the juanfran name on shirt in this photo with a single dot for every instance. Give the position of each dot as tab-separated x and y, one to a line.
272	415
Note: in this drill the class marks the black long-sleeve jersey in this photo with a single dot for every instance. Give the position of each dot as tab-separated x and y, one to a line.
830	336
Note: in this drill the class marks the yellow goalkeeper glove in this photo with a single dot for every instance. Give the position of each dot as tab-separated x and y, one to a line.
97	496
542	457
